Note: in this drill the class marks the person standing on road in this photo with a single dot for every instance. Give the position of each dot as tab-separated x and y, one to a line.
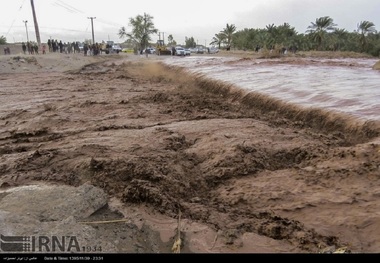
60	46
49	45
24	47
7	51
29	47
85	49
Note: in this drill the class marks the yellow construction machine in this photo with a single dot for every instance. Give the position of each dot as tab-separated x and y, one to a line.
162	49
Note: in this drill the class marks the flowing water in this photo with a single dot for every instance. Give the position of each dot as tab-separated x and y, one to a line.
350	85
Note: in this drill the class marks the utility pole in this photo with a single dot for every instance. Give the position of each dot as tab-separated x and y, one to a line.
36	24
92	26
26	28
163	36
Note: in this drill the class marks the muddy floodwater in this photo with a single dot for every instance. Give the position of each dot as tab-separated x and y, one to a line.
348	85
199	154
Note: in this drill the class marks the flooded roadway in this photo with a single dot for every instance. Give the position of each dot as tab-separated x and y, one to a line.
345	85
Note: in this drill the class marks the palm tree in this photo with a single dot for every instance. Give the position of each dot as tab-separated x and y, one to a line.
364	28
3	40
142	28
228	34
271	32
319	28
217	40
339	37
286	34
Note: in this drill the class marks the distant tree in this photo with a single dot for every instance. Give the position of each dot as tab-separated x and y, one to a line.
321	35
319	29
339	37
170	38
365	28
227	35
217	40
87	41
283	36
286	34
373	44
3	40
190	42
271	35
142	28
171	41
246	39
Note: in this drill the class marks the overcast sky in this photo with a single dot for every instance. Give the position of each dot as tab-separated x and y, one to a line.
68	20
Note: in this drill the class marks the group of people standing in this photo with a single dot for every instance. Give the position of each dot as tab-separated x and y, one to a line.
67	48
30	47
55	46
7	51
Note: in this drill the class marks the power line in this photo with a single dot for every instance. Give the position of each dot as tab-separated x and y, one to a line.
15	18
63	29
67	7
87	27
109	22
21	5
69	10
70	7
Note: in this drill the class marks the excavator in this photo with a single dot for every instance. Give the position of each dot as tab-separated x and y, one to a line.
162	49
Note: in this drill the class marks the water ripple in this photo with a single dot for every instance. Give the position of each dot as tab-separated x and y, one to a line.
345	85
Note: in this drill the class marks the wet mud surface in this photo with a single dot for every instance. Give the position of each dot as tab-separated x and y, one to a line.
153	136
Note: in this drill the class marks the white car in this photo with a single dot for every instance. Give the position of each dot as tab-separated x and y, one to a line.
150	50
187	52
213	50
200	50
180	51
116	48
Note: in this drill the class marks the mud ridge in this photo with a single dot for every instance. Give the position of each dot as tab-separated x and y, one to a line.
356	131
244	165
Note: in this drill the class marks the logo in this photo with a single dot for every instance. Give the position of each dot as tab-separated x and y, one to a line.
39	244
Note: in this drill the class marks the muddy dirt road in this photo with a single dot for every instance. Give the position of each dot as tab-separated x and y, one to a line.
242	176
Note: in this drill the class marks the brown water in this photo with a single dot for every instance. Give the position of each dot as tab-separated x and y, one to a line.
345	85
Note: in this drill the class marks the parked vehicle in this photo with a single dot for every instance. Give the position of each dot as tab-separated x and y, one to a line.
213	50
116	48
187	52
179	51
127	50
110	47
150	50
162	49
200	50
106	48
